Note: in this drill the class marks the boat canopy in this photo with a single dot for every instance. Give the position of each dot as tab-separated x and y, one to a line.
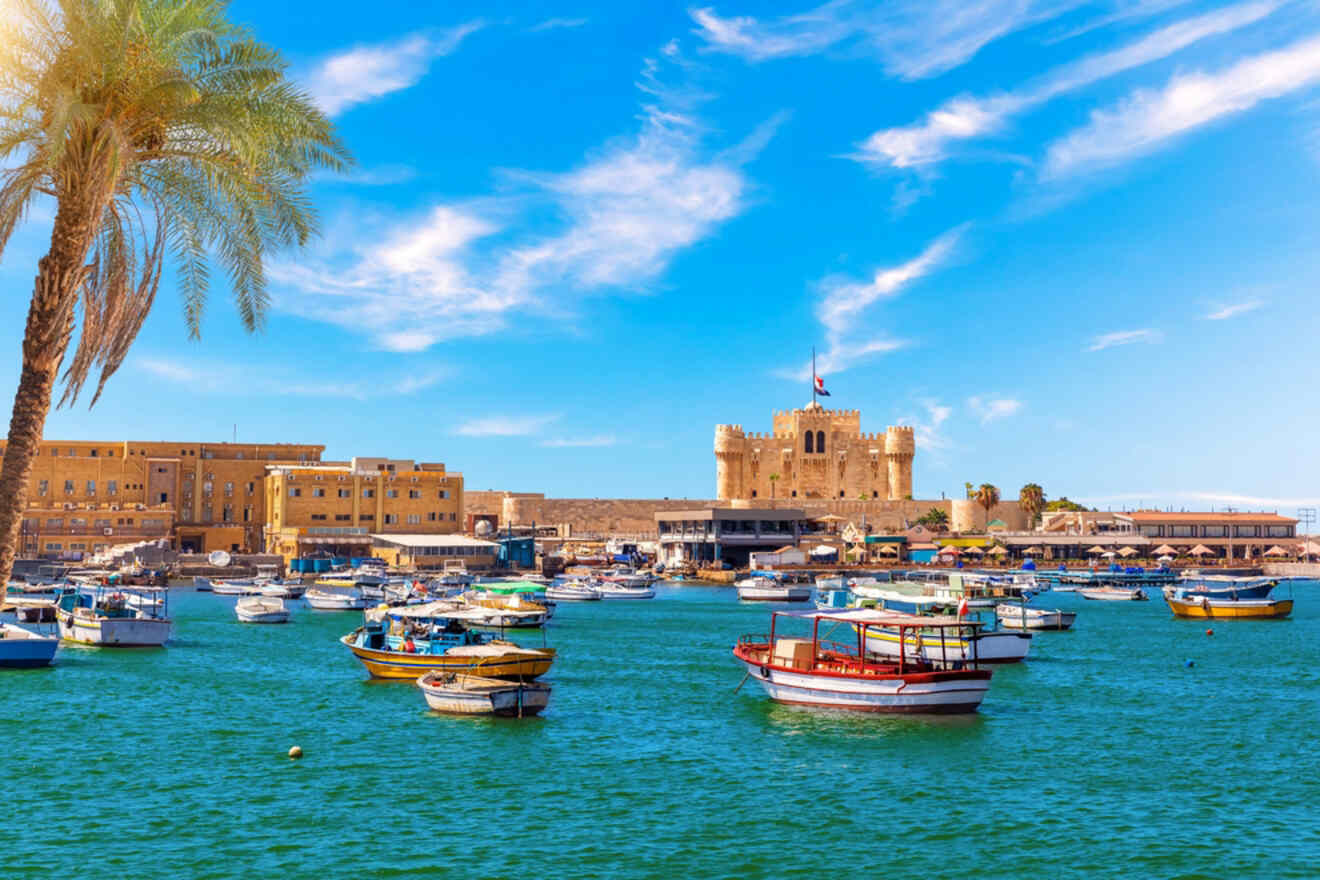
877	617
510	587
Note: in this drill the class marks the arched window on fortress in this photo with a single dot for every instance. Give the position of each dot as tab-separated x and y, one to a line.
820	441
810	443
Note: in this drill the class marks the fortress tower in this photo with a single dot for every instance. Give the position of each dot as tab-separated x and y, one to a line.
815	453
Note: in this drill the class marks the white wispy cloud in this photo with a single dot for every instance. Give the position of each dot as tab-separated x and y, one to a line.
556	23
226	379
1122	11
928	428
843	299
990	408
368	72
598	440
505	426
967	117
1225	312
618	220
911	38
1149	118
1124	337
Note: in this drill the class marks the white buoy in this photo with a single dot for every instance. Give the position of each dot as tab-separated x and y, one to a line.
295	753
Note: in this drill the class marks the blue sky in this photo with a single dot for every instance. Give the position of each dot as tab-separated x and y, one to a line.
1071	242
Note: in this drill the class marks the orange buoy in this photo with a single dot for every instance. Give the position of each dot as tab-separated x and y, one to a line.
1209	632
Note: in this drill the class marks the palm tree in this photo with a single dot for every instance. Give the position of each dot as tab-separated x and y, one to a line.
1032	501
160	129
774	478
987	495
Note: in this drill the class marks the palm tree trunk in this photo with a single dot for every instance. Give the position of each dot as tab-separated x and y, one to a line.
60	274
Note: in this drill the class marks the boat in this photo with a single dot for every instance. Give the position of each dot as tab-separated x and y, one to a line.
573	591
22	648
760	588
279	589
817	671
496	611
402	643
1225	587
940	648
1185	604
464	694
235	587
617	590
454	573
261	609
201	584
335	599
103	616
1113	594
1017	616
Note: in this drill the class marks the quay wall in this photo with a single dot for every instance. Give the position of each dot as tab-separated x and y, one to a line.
1296	569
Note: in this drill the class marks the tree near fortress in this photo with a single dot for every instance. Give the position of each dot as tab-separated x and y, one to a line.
1031	498
158	131
987	495
774	478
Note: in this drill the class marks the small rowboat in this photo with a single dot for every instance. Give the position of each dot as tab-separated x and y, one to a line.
335	600
460	694
764	589
1204	606
23	649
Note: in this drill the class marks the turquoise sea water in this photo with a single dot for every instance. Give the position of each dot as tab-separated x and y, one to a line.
1105	755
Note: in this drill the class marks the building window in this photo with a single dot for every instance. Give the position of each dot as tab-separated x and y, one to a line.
77	522
840	493
444	493
207	513
345	493
368	493
112	487
227	513
1182	531
102	523
809	443
875	493
318	517
820	441
414	519
247	514
229	490
91	487
54	546
1244	531
251	487
43	488
343	517
391	519
1281	531
1209	531
295	492
318	492
753	493
55	523
367	517
391	493
68	487
414	493
452	516
95	453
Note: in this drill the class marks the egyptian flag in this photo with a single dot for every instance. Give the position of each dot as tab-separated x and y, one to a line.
820	387
962	606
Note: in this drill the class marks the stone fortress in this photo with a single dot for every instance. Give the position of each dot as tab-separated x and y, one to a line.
814	454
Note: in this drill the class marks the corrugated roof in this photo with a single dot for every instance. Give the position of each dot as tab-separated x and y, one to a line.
1153	517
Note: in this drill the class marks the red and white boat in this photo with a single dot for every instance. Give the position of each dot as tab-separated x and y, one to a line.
817	671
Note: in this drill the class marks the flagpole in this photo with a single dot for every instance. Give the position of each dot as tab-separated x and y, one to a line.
813	374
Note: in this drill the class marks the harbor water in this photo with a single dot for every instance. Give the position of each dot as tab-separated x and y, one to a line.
1106	754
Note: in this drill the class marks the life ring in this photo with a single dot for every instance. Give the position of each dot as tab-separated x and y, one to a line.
765	671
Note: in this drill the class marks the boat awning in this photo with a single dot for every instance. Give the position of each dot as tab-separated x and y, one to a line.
875	617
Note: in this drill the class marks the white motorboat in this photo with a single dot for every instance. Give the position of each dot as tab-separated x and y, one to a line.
281	589
946	650
201	584
1016	616
335	600
615	590
764	589
237	587
261	609
461	694
1114	594
103	616
574	591
24	649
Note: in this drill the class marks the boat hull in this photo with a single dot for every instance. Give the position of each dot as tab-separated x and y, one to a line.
1257	609
1036	619
516	700
774	594
1113	594
627	593
517	663
22	649
927	694
263	616
114	632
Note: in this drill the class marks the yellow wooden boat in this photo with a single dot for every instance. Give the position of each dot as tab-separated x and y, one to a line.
1204	607
494	658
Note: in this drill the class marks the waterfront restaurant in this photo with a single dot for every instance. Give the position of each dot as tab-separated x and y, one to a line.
433	551
716	534
1228	536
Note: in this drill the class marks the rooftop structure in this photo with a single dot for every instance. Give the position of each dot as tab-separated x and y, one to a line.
715	534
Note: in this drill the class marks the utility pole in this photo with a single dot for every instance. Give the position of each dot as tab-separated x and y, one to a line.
1306	517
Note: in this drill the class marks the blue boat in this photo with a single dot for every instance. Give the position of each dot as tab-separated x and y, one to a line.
1232	588
24	649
